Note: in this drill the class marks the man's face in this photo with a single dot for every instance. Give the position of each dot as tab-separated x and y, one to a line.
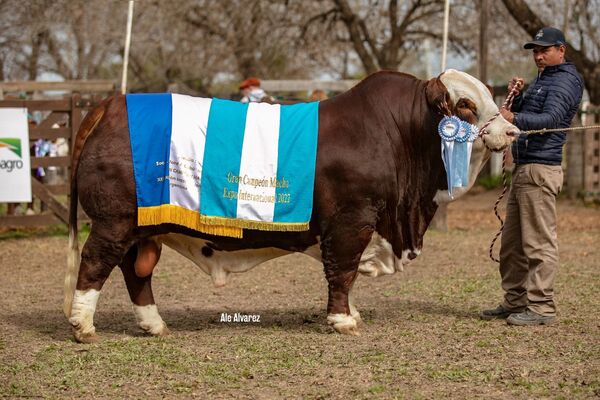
547	56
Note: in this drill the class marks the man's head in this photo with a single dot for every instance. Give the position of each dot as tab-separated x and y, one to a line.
548	46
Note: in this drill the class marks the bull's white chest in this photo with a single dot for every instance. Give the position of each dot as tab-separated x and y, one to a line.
378	258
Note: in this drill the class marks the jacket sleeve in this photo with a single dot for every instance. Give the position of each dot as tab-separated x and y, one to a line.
562	97
516	105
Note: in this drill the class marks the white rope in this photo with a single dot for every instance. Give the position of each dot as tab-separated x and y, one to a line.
127	45
542	131
445	37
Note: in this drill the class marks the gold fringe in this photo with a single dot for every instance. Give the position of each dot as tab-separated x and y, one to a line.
220	226
172	214
258	225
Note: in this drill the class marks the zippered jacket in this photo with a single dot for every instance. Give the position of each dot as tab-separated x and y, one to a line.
551	101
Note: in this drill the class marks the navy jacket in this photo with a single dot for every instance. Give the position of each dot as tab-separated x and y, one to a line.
551	101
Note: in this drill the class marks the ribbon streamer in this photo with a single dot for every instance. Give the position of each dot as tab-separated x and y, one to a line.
457	143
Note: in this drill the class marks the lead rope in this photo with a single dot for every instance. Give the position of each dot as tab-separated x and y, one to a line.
505	188
507	104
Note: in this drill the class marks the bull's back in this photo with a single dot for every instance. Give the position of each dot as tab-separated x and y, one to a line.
105	171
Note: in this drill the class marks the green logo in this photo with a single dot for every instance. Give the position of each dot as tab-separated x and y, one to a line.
13	144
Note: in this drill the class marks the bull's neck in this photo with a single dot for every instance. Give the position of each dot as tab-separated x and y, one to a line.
415	148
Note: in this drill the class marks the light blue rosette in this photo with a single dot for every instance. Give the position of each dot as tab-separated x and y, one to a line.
457	143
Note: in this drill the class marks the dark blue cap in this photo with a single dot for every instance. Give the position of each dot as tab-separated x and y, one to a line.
547	37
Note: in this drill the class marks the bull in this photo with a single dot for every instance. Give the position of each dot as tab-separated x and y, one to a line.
379	179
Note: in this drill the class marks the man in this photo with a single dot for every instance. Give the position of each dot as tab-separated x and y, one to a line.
252	92
529	249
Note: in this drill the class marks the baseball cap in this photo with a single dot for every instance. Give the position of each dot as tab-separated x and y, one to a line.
546	37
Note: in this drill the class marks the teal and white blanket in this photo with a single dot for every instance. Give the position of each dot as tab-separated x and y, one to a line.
218	166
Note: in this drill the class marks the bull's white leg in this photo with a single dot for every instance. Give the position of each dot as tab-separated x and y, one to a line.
150	320
353	311
82	315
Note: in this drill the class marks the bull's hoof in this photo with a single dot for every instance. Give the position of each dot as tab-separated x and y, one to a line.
149	320
156	329
357	318
85	337
83	332
344	324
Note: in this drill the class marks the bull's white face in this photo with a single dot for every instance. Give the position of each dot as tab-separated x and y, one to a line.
460	85
500	133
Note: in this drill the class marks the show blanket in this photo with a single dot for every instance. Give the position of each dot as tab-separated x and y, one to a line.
218	166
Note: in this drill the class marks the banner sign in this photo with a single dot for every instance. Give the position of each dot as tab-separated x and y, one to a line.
15	170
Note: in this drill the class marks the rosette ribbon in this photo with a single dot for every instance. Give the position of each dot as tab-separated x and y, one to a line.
457	143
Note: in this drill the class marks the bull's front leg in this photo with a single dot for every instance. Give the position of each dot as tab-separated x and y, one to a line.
339	313
341	247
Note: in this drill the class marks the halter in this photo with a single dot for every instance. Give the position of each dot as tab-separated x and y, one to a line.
507	104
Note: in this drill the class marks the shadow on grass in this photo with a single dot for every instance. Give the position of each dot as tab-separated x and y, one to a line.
188	319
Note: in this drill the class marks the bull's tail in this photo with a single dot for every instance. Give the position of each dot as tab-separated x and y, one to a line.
87	127
73	259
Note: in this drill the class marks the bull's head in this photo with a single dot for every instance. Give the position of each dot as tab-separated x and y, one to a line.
458	93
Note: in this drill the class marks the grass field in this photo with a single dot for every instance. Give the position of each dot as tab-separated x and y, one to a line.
421	338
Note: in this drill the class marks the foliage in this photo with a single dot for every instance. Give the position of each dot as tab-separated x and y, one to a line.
493	181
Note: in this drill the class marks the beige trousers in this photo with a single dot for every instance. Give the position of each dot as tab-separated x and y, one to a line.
529	249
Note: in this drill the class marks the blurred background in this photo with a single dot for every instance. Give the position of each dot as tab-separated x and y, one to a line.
207	47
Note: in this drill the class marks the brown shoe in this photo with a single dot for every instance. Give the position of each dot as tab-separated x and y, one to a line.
497	313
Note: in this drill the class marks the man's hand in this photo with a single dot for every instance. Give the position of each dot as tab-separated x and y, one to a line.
517	83
507	115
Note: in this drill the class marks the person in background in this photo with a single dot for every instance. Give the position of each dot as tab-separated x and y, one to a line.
529	248
252	92
317	95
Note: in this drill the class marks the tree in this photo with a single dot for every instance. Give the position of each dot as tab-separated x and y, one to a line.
388	34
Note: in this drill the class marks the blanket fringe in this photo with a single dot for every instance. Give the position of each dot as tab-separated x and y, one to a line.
220	226
171	214
257	225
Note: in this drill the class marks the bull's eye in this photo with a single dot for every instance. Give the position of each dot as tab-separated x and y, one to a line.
467	104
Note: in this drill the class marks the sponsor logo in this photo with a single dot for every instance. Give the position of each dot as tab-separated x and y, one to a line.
13	145
539	35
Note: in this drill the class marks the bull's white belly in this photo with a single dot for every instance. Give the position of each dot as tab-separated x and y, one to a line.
377	259
221	263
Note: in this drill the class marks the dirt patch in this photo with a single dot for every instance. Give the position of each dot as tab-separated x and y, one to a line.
421	337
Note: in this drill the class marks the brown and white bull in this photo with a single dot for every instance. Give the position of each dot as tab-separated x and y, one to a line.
379	178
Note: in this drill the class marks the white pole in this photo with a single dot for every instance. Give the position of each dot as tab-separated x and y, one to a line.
445	39
428	69
127	44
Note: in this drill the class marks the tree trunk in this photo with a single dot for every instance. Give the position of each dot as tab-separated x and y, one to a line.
36	43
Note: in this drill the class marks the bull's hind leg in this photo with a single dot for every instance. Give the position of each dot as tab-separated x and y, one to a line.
140	287
100	254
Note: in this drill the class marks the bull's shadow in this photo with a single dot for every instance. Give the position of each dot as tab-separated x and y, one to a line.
52	323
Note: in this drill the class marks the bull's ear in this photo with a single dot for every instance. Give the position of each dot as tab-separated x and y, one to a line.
438	96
